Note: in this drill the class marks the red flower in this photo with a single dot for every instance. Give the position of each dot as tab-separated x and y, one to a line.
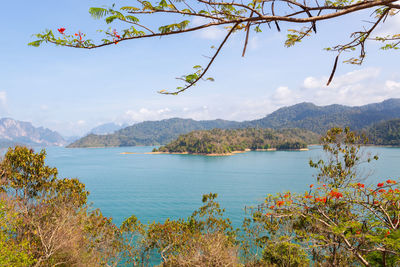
267	214
286	196
382	191
360	185
279	203
317	199
311	185
387	233
272	207
390	181
61	30
380	184
335	194
358	232
308	196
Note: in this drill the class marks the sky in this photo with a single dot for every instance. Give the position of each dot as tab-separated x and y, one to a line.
72	90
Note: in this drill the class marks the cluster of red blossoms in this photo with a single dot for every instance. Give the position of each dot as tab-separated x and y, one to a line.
360	185
61	30
335	194
322	199
116	36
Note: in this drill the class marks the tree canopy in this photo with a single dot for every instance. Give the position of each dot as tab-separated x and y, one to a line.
234	16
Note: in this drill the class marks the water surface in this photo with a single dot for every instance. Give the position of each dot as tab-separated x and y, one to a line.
157	187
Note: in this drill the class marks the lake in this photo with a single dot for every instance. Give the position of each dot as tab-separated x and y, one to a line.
157	187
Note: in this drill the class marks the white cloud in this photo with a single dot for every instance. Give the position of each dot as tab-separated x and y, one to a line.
390	27
283	96
210	33
44	107
349	78
3	104
3	98
353	88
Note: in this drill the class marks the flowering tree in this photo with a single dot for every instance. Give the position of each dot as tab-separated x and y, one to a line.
234	16
339	221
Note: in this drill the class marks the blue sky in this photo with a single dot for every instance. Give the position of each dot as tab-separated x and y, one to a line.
73	90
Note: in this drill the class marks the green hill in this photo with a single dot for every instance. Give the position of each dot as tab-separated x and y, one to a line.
304	116
151	133
385	133
320	119
218	141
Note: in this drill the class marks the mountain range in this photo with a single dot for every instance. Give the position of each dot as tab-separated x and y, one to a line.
304	116
14	132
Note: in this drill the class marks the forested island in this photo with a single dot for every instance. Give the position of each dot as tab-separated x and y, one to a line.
224	142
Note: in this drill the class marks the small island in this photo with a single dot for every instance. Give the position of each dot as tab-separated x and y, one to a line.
219	142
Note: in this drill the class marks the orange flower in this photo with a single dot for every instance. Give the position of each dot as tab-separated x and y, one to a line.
358	232
308	196
360	185
286	196
335	194
272	207
279	203
311	185
380	184
382	191
267	214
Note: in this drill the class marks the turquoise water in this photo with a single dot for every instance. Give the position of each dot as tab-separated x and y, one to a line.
157	187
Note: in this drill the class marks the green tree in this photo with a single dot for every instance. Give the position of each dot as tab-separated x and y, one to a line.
339	221
45	221
234	16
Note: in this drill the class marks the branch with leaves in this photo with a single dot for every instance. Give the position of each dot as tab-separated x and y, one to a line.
234	16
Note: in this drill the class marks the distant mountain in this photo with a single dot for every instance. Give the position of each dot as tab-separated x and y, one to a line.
304	116
385	133
151	132
107	128
14	132
321	118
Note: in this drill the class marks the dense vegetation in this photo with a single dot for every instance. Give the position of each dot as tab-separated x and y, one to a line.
339	221
150	133
305	116
219	141
320	119
385	133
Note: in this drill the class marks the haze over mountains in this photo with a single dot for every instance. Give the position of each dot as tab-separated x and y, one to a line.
304	115
13	132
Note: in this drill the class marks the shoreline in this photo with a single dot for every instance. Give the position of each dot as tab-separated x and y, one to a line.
217	154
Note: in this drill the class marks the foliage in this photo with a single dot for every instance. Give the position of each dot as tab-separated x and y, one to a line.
320	119
219	141
385	133
234	16
339	221
45	220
